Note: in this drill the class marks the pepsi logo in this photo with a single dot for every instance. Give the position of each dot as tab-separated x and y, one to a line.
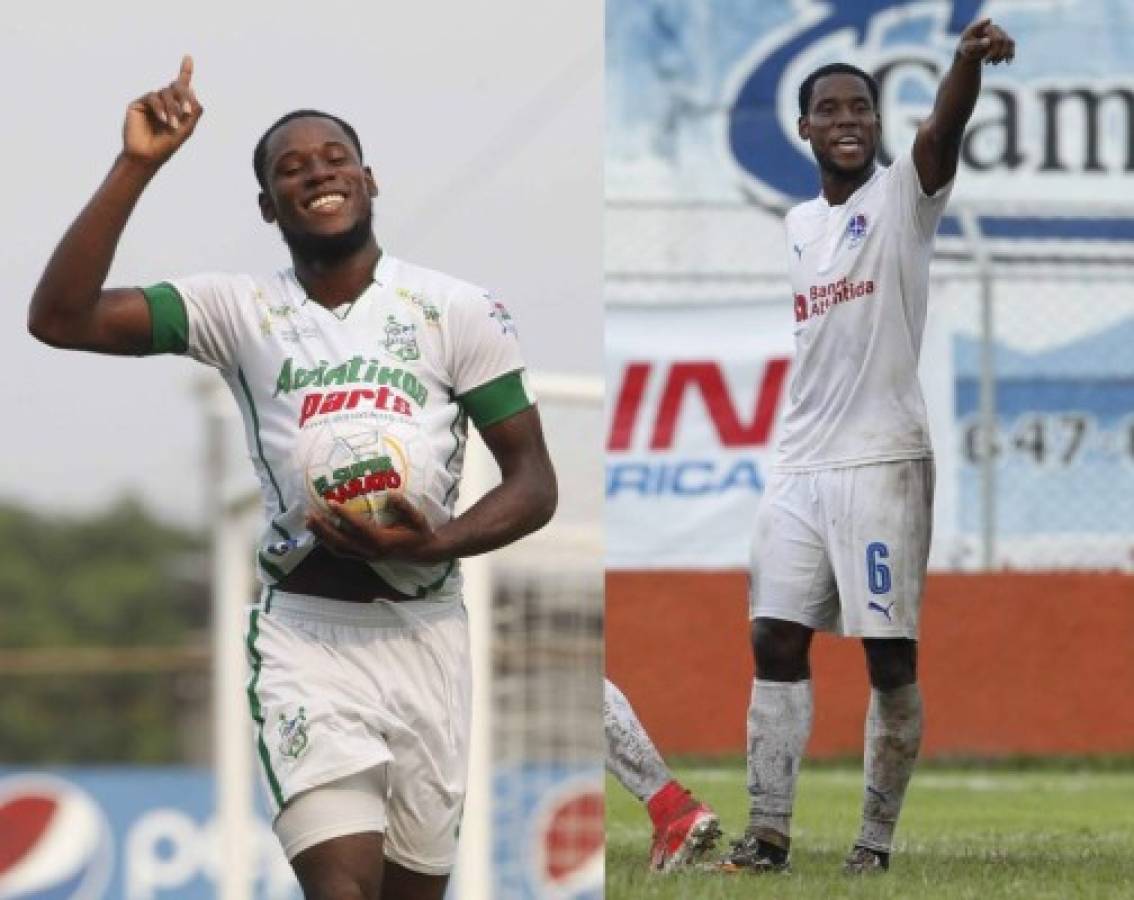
55	842
569	841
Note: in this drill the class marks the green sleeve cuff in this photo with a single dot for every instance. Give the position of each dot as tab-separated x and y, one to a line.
496	400
168	322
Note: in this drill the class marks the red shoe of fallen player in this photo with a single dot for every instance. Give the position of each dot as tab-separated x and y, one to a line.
685	829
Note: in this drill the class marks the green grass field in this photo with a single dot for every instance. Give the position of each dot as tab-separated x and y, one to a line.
964	834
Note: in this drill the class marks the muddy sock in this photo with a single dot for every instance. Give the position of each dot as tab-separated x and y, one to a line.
779	723
630	754
893	736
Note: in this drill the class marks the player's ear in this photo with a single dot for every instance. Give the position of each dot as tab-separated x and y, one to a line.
371	184
804	128
267	209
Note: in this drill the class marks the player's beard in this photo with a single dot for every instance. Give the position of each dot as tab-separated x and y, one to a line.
328	249
857	175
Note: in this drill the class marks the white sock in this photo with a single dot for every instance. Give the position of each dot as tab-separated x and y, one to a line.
630	754
893	736
779	724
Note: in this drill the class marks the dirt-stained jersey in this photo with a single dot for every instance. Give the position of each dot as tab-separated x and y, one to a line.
860	278
417	348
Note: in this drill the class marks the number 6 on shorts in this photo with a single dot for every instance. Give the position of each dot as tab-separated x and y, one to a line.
877	573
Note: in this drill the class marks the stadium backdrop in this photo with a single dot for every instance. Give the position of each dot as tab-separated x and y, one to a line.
701	162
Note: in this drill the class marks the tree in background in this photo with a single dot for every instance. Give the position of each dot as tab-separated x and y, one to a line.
72	586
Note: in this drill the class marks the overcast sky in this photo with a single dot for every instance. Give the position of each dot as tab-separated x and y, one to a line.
482	122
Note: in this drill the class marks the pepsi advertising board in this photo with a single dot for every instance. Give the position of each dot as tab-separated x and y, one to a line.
137	833
133	833
548	832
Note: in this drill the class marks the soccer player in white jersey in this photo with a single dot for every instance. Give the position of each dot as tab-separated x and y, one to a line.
359	690
842	535
685	829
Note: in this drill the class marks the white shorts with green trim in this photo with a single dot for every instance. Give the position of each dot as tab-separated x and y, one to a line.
337	688
845	550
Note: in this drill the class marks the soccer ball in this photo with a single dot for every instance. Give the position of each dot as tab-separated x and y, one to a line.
356	464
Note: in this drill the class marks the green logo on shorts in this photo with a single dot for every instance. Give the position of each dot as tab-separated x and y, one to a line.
293	734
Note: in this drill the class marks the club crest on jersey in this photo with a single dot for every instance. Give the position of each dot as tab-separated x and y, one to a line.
502	316
401	340
856	229
293	734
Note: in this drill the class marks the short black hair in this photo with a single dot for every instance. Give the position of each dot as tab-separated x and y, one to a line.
808	86
260	153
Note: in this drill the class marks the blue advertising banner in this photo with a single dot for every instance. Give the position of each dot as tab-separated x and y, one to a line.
548	832
1065	426
142	833
702	98
134	833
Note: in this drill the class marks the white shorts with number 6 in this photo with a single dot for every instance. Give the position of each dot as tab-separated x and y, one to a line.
845	550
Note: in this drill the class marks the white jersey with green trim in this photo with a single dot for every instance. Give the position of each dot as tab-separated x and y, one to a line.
860	280
418	350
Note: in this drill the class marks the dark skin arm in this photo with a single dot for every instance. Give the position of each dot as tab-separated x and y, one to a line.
524	501
937	147
70	307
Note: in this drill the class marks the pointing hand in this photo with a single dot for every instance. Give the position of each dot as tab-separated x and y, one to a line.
985	41
159	122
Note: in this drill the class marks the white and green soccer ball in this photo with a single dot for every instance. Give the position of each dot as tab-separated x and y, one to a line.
359	463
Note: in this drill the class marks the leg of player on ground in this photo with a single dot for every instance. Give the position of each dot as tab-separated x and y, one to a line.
893	737
630	754
684	828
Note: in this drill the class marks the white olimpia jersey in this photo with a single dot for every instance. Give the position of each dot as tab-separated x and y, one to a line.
417	348
860	279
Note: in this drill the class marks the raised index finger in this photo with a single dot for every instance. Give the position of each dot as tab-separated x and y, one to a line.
186	73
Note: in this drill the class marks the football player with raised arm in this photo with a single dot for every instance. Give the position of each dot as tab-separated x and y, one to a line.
359	689
842	536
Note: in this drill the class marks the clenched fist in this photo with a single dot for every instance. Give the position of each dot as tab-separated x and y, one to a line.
985	41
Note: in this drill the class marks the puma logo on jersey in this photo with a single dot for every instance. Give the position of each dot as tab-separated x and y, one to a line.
885	610
798	248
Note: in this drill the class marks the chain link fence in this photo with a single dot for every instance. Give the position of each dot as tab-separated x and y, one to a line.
1027	364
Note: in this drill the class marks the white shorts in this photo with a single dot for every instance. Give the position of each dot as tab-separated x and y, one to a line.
845	550
338	688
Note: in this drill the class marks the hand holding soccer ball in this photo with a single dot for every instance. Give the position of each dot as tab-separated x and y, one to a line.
408	537
359	479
